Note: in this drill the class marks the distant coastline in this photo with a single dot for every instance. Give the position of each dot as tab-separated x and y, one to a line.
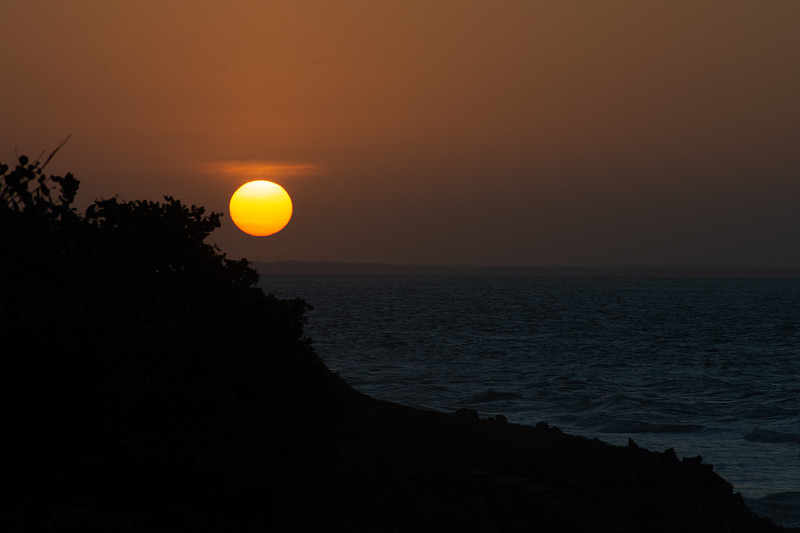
611	271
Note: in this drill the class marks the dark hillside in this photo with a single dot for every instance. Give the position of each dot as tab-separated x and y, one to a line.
149	385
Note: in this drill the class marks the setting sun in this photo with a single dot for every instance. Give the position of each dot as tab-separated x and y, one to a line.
260	208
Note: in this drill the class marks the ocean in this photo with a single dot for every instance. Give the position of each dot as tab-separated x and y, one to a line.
707	367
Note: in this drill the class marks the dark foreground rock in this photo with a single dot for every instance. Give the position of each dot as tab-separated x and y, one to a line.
342	461
401	469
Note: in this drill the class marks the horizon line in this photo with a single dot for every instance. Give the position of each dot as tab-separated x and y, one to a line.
553	270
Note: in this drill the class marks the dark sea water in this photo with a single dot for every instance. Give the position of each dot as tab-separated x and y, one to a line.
708	367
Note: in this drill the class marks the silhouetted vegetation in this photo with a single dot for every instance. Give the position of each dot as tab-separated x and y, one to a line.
148	384
141	367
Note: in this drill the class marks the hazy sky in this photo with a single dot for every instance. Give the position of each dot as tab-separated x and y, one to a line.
440	132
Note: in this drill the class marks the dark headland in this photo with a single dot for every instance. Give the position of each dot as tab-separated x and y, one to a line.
149	385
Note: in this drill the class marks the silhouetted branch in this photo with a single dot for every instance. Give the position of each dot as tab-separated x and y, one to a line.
59	147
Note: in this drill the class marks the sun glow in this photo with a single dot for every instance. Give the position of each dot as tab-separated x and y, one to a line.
260	208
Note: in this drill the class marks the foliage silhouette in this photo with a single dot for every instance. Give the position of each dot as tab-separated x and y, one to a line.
142	368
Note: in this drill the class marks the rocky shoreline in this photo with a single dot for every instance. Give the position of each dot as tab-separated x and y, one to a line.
404	469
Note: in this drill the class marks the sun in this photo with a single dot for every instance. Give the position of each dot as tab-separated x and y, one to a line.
260	208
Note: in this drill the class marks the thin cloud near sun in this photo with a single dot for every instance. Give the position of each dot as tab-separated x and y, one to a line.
254	170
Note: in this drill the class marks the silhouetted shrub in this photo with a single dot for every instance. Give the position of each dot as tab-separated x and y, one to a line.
135	352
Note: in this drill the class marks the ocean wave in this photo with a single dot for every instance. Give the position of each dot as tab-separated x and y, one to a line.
491	395
768	435
635	426
783	508
609	398
602	423
770	411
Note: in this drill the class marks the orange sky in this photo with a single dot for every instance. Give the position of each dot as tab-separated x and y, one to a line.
438	132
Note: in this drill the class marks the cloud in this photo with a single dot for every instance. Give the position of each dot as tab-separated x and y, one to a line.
253	170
